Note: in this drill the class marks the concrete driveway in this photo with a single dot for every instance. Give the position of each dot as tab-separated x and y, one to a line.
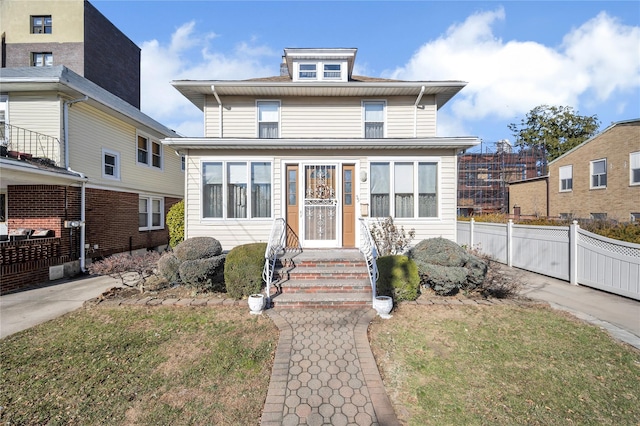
22	310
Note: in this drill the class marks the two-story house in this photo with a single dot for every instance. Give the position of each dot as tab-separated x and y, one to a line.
598	179
83	173
321	148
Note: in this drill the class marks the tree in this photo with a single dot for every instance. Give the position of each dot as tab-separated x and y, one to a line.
553	130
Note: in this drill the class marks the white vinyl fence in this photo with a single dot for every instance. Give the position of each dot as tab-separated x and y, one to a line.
564	252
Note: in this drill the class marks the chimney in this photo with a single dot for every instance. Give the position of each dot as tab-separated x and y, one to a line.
284	70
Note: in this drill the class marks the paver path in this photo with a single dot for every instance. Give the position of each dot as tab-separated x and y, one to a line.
324	372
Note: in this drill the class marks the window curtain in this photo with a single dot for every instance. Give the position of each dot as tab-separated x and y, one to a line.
268	118
260	190
427	190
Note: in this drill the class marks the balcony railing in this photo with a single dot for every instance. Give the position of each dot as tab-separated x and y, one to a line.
26	144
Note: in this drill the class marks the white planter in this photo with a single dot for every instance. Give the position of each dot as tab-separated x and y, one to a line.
383	306
256	303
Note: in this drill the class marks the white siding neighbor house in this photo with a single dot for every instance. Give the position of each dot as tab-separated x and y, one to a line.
321	148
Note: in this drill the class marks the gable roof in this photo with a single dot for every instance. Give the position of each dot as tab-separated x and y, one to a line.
631	122
61	79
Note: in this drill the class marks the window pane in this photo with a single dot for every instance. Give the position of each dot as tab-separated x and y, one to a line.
142	213
427	178
380	182
143	154
599	167
156	219
212	190
374	130
267	111
374	111
404	205
380	205
268	130
237	190
403	178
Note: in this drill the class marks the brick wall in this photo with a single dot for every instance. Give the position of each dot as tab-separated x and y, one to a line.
530	196
619	198
70	55
112	60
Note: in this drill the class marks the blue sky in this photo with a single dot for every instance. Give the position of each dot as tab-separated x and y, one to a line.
514	55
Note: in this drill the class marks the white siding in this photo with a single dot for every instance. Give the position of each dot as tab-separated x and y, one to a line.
322	117
91	130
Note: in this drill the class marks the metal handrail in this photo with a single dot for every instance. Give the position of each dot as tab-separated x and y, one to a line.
370	253
275	246
24	141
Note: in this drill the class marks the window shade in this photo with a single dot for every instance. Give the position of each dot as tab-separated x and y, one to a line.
427	178
403	178
237	172
261	172
380	178
212	173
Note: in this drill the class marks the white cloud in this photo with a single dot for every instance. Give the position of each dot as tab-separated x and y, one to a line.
595	62
189	56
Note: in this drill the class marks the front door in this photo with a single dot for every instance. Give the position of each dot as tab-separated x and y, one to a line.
348	206
320	205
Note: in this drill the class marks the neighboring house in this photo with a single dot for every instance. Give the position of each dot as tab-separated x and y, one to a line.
72	33
82	171
598	179
320	148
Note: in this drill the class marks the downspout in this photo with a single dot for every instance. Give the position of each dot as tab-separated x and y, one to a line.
415	113
65	118
215	94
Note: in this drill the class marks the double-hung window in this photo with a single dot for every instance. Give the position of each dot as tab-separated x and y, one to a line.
332	71
42	59
150	213
149	152
599	174
566	178
634	168
41	24
373	119
236	189
268	119
110	164
404	189
307	72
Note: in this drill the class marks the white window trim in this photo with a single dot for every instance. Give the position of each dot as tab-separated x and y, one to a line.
591	174
258	101
116	154
631	161
150	142
150	199
384	112
224	161
415	162
570	167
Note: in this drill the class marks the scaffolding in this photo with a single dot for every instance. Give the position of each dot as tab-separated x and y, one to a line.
484	176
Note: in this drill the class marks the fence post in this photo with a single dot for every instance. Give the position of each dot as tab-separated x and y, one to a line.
573	252
471	222
509	242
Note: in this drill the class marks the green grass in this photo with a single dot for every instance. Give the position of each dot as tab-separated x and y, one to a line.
137	365
504	365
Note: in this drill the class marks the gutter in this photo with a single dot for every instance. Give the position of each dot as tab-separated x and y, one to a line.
83	234
415	112
215	94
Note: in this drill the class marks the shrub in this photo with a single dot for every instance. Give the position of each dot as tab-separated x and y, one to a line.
398	278
175	223
446	267
132	271
168	267
389	238
243	270
204	274
197	248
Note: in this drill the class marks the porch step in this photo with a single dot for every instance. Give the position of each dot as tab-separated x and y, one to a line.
321	278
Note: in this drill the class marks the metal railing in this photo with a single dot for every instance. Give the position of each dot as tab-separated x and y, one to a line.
275	246
27	144
370	253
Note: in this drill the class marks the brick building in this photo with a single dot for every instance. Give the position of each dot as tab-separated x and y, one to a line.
598	179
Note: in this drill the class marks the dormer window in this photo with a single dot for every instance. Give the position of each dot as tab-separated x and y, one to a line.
332	71
308	72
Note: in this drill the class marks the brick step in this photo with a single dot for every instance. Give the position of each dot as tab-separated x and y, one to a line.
322	272
330	285
320	300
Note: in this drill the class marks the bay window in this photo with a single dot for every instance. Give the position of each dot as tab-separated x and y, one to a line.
224	194
414	185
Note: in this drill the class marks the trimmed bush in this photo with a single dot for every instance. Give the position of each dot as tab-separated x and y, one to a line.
243	270
175	223
446	267
204	274
398	278
198	248
168	267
